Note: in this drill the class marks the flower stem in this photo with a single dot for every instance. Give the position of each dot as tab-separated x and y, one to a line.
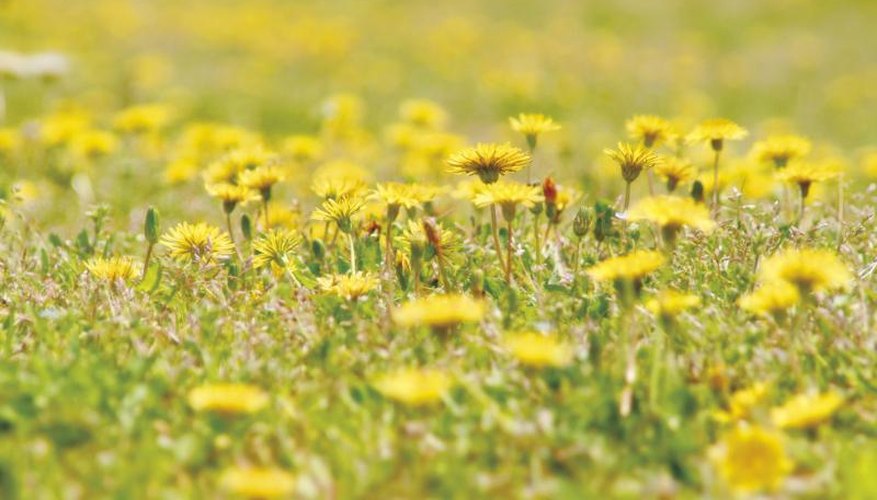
715	206
352	253
265	205
508	264
495	228
231	235
146	261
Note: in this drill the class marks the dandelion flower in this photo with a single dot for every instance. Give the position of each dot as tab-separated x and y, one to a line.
806	410
671	303
508	195
439	311
742	403
395	195
810	270
716	131
228	399
340	211
781	149
414	387
113	269
231	195
142	118
274	247
627	272
197	242
539	351
752	459
675	171
93	143
423	113
262	179
804	175
773	298
671	213
532	125
632	160
650	130
257	482
303	148
488	161
348	286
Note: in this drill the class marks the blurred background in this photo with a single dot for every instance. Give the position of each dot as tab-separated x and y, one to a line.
268	64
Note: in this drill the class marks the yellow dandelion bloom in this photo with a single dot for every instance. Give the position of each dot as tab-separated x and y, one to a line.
752	459
422	113
779	150
395	195
228	399
805	175
113	269
231	195
631	267
93	143
670	303
675	171
743	402
539	351
632	160
650	130
468	189
806	410
508	195
869	162
10	140
716	131
439	311
810	270
262	179
197	242
142	118
438	241
303	148
348	286
414	387
257	482
773	298
532	125
274	247
488	161
672	212
340	211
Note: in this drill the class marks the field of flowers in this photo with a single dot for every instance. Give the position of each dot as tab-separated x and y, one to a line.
459	249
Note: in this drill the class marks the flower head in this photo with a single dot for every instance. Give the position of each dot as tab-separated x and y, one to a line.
257	482
626	272
716	131
488	161
806	410
539	351
348	286
262	179
113	269
396	195
532	125
781	149
439	311
805	174
429	237
743	402
752	459
231	195
414	387
142	118
228	399
650	130
671	213
509	195
274	247
423	113
303	148
675	171
340	211
632	160
670	303
93	143
197	242
772	298
810	270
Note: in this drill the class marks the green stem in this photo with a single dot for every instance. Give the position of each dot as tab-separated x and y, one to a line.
508	265
231	235
352	253
146	261
495	230
715	207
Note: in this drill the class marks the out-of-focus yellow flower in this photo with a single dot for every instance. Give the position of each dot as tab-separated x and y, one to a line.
303	148
414	387
675	171
181	169
348	286
650	130
282	216
810	270
772	298
779	150
438	241
488	161
228	399
142	119
198	243
439	311
93	143
716	131
231	195
262	179
752	459
257	482
508	195
468	189
340	211
670	303
395	195
59	128
532	125
806	410
113	269
539	351
742	403
339	178
423	113
631	267
805	174
10	140
671	213
869	162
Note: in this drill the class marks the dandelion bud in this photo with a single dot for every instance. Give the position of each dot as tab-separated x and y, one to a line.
697	191
318	249
582	222
603	220
151	226
477	283
549	191
247	227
